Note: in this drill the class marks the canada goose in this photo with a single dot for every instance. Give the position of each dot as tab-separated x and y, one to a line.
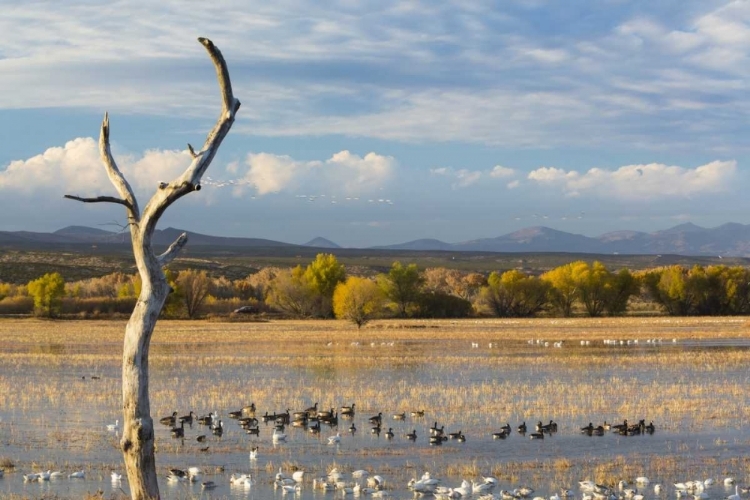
454	435
201	438
376	430
208	485
248	422
650	428
522	428
177	475
325	414
188	419
352	428
436	440
377	419
253	431
249	410
461	438
218	429
206	419
399	416
588	429
314	428
619	427
170	420
536	435
389	434
500	435
178	432
312	410
417	413
348	410
412	436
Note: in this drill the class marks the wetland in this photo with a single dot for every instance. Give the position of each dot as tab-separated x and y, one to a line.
60	389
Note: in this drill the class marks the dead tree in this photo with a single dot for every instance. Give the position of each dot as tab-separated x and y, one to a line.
138	429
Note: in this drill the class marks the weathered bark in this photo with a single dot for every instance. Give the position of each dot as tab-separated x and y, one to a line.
138	430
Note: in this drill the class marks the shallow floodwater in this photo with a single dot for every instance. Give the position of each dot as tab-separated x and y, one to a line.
50	427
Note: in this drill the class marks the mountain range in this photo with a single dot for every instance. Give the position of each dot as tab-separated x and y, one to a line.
727	240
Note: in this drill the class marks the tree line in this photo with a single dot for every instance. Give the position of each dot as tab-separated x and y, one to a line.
324	289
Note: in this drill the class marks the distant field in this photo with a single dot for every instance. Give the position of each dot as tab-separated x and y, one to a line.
75	262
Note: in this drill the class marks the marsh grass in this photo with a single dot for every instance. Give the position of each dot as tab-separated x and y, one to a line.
389	366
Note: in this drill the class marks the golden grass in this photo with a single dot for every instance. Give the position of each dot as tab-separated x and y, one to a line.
206	366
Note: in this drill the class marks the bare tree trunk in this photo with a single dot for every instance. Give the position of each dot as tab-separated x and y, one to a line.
138	428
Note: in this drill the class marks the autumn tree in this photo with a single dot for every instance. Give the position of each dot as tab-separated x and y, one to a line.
565	286
622	285
514	294
358	300
193	287
322	276
593	283
137	441
290	292
47	293
402	285
262	281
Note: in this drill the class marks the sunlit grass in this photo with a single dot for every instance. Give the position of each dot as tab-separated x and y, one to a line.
391	366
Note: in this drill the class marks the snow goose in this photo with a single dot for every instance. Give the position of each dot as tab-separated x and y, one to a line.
254	453
278	436
736	495
79	474
115	477
335	439
114	427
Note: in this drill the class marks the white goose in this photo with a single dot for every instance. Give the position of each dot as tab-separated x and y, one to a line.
736	495
116	477
278	436
114	427
335	439
79	474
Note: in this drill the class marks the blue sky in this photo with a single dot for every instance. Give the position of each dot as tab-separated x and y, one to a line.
381	122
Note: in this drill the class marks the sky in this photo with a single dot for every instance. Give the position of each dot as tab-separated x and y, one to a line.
380	122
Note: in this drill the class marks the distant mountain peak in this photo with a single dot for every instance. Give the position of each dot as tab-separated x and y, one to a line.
687	227
320	242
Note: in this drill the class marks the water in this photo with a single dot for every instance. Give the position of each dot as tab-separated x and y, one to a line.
53	418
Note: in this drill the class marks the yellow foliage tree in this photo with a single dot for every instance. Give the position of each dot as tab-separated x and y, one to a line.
47	292
358	300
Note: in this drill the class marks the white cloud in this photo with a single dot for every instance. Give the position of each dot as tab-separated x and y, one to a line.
513	184
344	171
76	168
500	172
462	177
641	182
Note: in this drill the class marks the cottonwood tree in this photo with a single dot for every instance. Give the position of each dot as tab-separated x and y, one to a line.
137	441
194	286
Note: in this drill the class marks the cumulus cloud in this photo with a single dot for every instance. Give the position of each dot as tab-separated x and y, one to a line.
641	182
76	168
344	171
464	177
500	172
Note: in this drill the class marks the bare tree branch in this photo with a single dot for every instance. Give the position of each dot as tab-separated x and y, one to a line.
115	176
100	199
174	249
